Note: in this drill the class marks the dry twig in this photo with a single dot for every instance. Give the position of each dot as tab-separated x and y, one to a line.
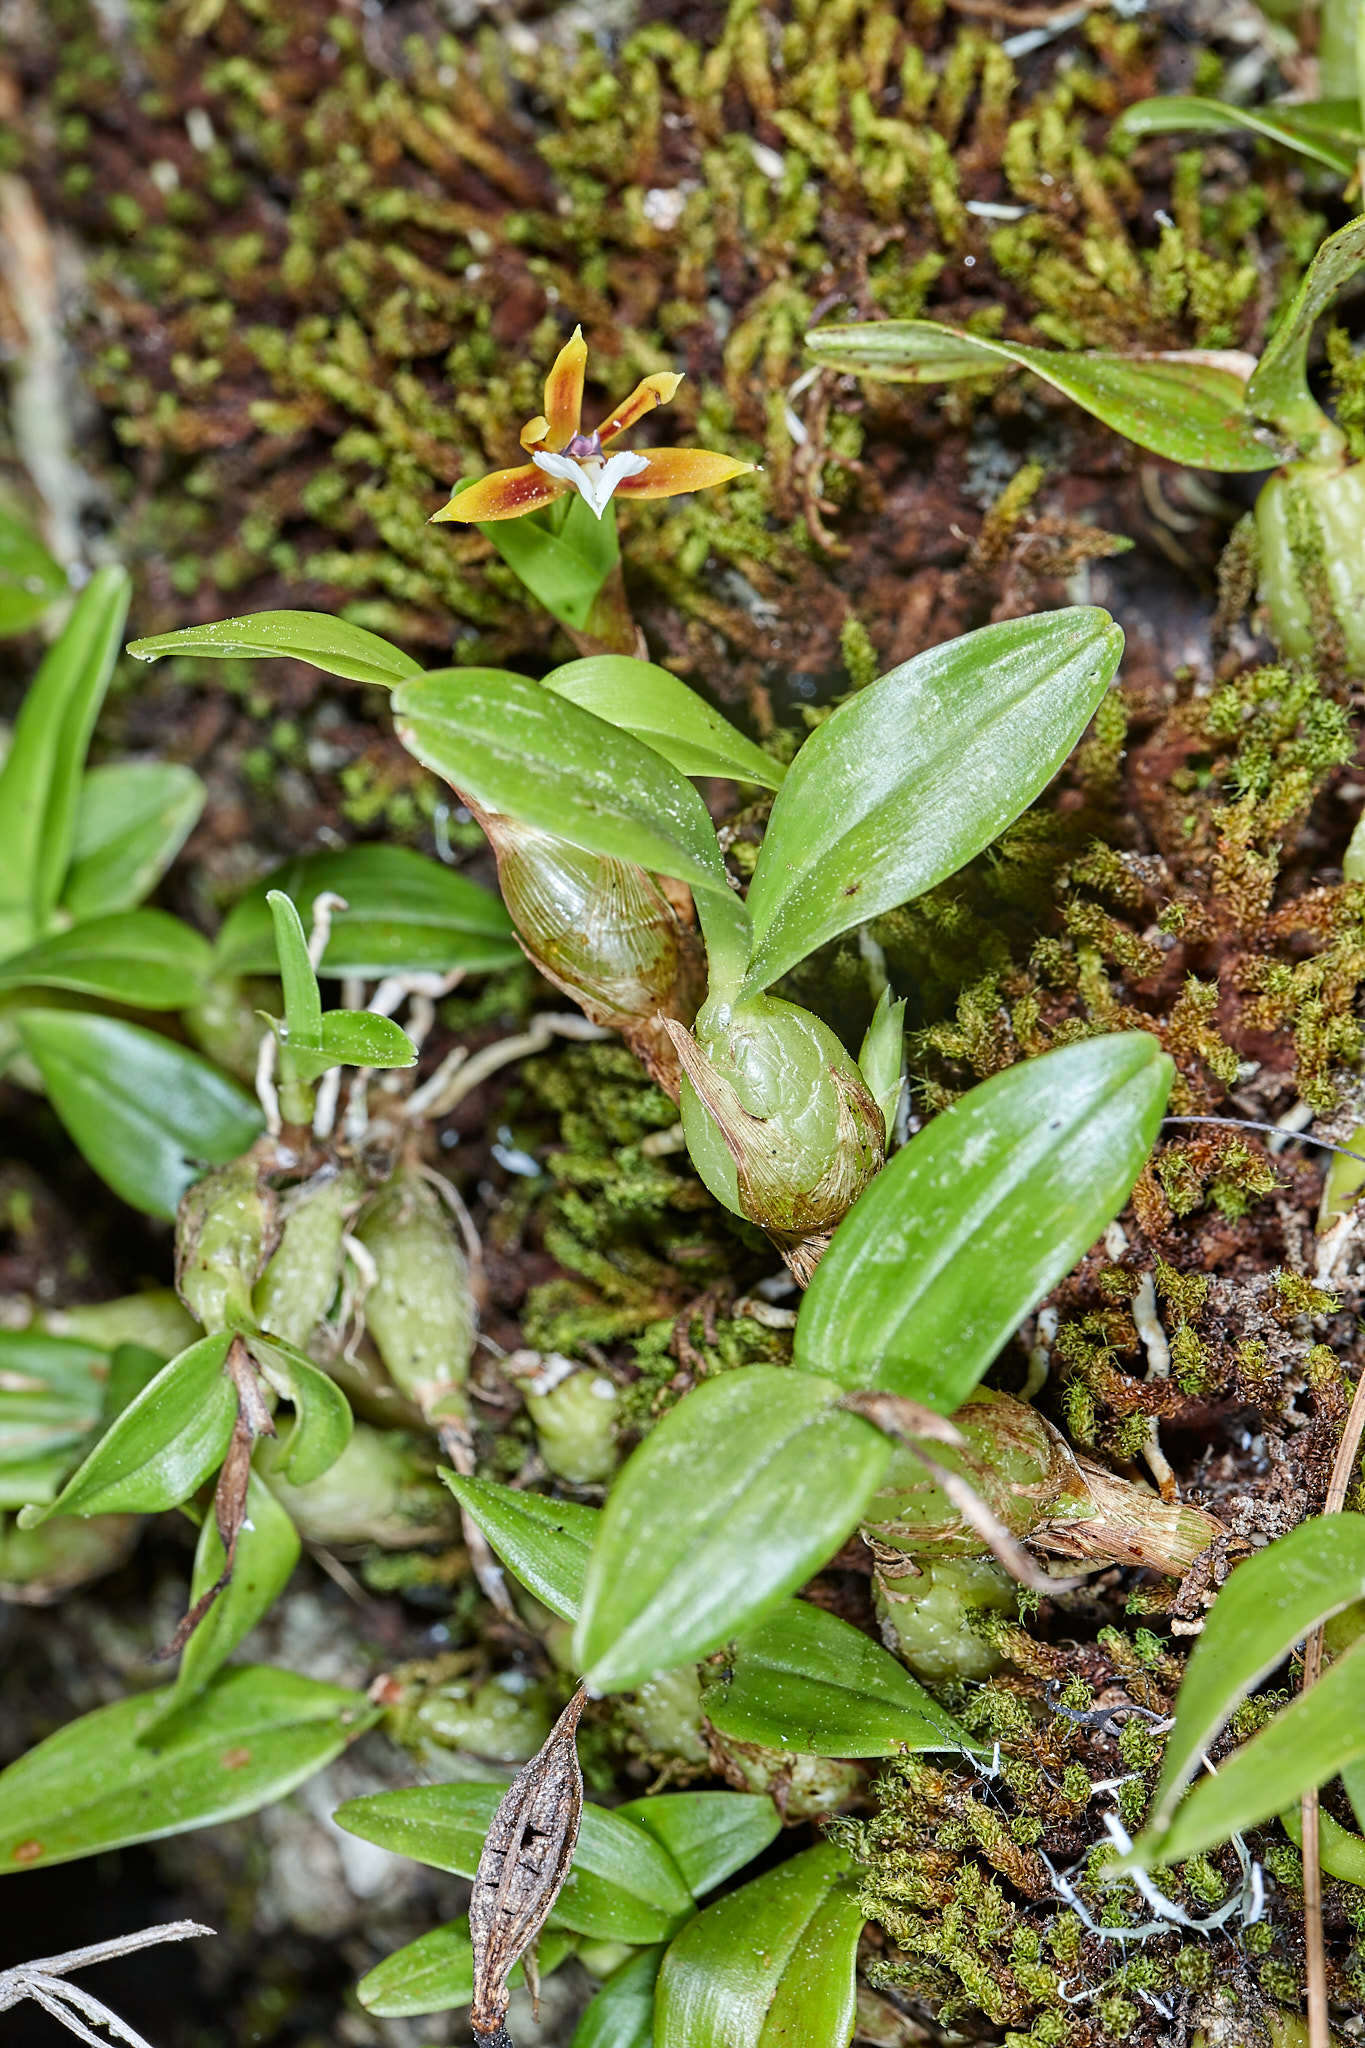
42	1980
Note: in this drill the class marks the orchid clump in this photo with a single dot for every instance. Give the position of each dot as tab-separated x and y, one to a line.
615	880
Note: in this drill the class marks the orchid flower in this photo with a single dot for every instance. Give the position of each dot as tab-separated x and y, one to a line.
564	458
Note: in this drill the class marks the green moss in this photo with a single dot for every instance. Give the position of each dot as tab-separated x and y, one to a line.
385	323
635	1232
1296	1295
1184	1294
860	656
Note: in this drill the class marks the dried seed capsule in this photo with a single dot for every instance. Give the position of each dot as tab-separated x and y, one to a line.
779	1121
605	932
224	1231
526	1857
418	1308
297	1287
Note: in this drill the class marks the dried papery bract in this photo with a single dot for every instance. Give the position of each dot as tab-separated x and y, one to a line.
1030	1482
526	1857
621	943
1131	1525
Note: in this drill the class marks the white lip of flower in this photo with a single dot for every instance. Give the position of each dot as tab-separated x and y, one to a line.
594	477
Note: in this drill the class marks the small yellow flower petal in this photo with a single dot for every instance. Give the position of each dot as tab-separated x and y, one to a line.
506	494
564	391
654	391
672	471
534	432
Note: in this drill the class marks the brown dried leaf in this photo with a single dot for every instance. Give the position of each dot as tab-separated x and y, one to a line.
896	1415
229	1500
526	1857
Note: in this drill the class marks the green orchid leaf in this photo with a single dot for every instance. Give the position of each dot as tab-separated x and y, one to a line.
56	1394
323	1419
267	1551
881	1057
432	1974
978	1216
1342	1853
405	914
359	1038
116	1776
1353	1779
41	777
349	1038
147	1114
514	746
562	556
1309	1741
1268	1604
910	778
436	1972
133	1367
302	1003
622	1887
709	1835
155	1318
1188	406
544	1543
769	1966
1278	392
622	2013
51	1398
162	1446
805	1682
145	959
312	1042
131	821
1326	131
647	700
330	644
777	1475
30	581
